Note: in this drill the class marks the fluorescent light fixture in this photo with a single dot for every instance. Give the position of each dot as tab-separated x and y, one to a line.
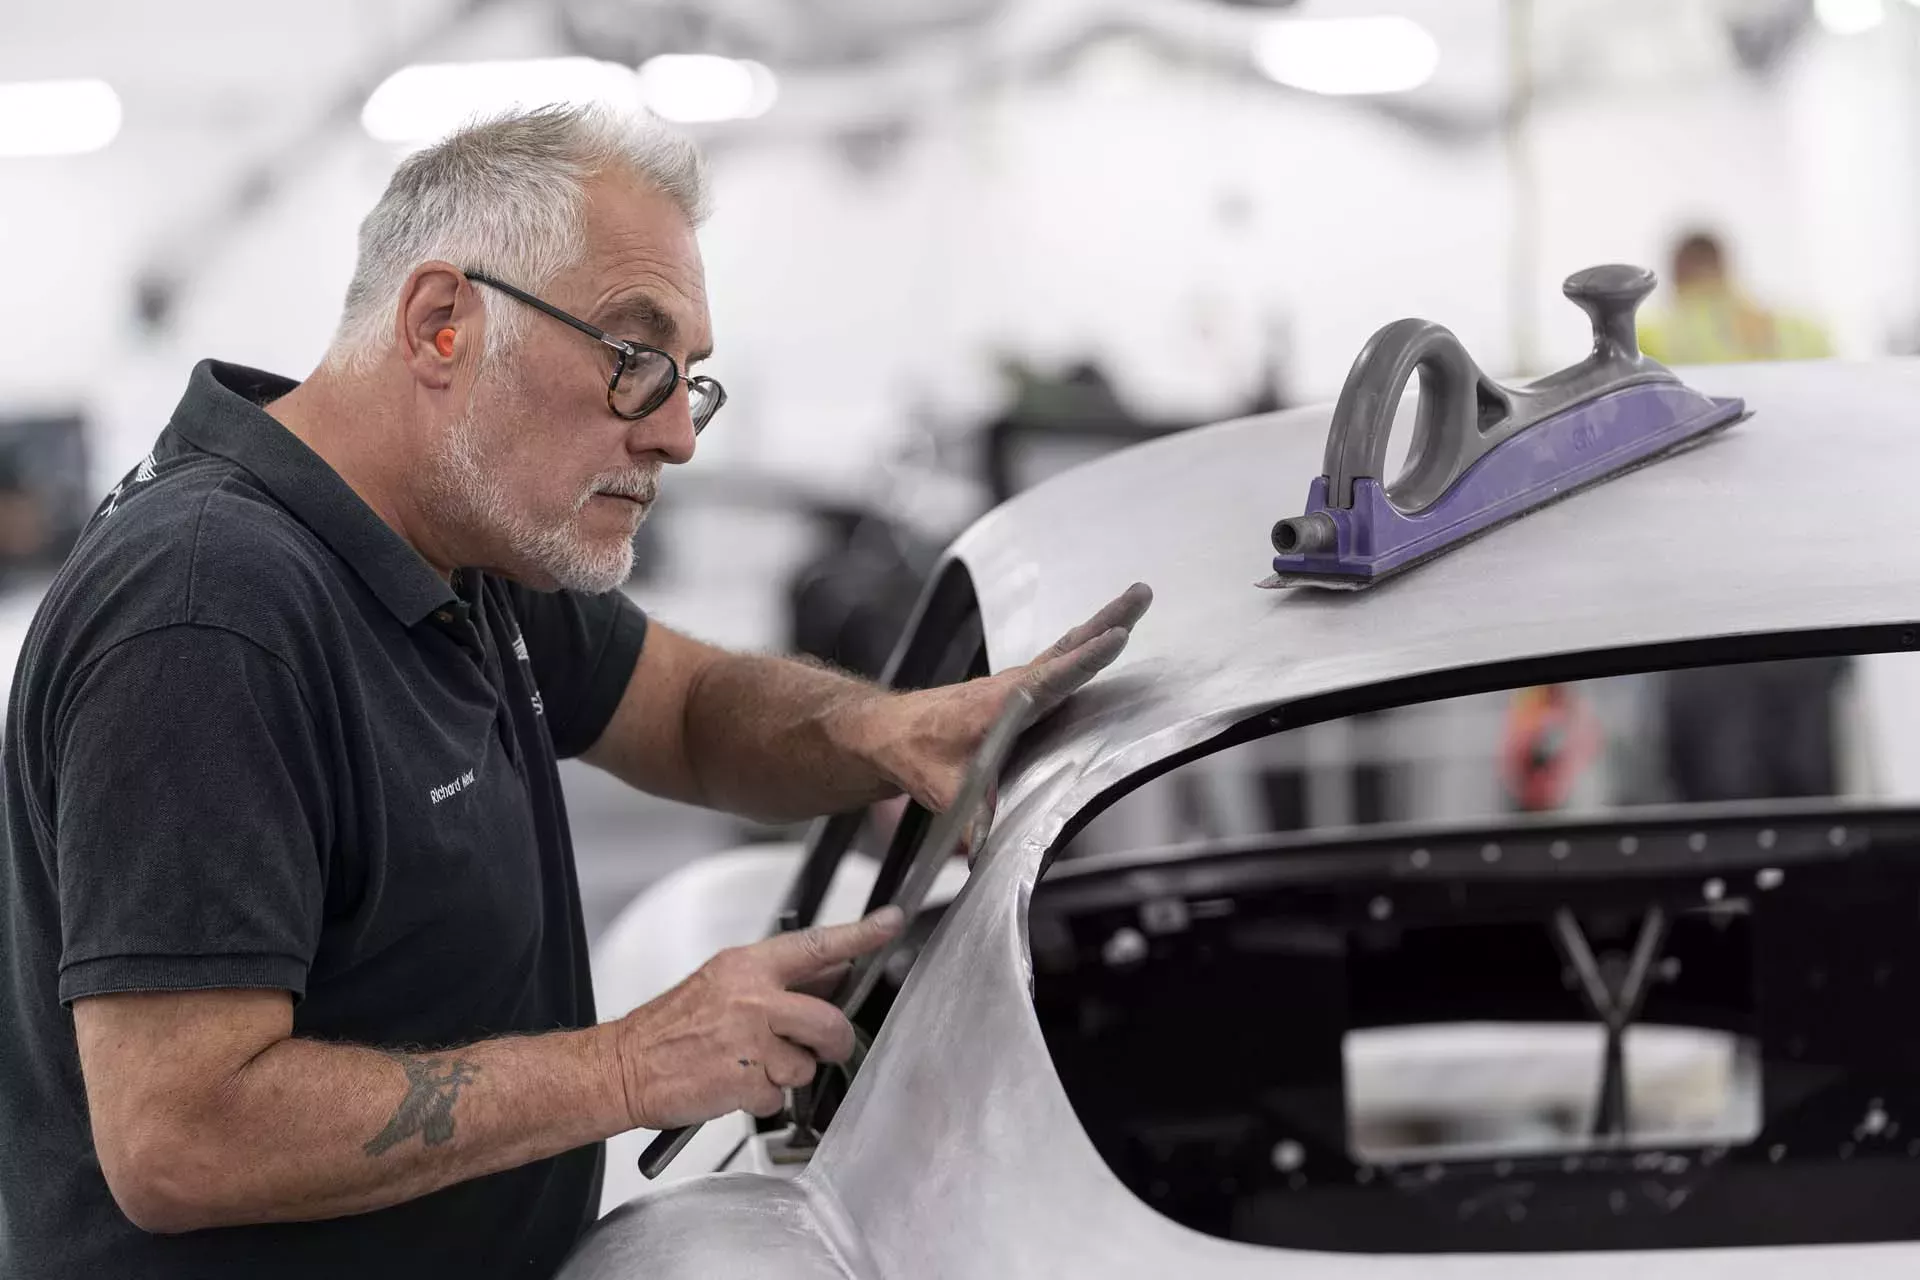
1387	54
57	117
698	88
430	100
1850	17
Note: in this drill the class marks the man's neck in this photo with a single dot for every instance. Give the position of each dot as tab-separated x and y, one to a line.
355	429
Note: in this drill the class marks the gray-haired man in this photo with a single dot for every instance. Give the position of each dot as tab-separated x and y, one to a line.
285	831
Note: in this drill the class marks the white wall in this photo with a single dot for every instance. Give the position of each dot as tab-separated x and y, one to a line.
1811	179
229	83
1085	219
1087	222
1081	218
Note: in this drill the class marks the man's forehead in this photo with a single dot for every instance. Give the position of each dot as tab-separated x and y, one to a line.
642	264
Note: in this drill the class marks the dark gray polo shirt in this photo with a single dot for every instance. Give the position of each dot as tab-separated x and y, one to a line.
255	741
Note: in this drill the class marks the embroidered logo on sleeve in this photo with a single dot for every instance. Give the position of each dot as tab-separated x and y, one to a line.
141	475
448	790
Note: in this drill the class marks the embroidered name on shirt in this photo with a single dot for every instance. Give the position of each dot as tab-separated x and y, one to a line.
453	788
520	652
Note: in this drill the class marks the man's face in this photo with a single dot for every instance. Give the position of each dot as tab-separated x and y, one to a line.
1698	269
546	484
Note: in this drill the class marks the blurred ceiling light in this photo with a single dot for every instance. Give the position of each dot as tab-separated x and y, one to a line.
1387	54
1850	17
57	117
698	88
429	100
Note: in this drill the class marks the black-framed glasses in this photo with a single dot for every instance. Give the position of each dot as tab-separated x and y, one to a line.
643	377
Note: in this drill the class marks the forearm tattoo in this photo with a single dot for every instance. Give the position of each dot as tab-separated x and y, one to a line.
433	1086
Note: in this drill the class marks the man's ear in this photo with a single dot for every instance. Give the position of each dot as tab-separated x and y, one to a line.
438	324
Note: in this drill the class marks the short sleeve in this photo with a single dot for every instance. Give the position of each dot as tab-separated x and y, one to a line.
582	649
191	818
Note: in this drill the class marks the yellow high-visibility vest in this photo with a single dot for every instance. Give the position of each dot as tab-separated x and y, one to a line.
1721	327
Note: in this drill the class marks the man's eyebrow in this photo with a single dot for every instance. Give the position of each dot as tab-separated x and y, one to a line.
641	315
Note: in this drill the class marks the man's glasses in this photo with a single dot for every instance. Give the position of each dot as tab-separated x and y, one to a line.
643	377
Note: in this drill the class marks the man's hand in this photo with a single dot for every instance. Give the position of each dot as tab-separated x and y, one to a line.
780	740
922	741
742	1029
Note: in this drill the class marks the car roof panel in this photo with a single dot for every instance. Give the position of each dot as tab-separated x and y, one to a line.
1798	519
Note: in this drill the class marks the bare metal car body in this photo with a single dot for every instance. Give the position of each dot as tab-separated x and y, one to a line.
957	1153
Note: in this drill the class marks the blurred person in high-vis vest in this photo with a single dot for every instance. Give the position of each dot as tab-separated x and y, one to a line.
1763	730
1713	321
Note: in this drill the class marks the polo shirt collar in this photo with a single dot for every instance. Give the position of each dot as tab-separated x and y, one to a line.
221	414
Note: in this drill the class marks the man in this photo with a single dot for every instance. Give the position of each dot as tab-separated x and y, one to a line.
1713	321
284	819
1762	730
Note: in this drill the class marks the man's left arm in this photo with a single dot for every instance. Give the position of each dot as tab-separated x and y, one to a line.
780	739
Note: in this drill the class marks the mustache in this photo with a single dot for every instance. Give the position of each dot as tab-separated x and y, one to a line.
642	486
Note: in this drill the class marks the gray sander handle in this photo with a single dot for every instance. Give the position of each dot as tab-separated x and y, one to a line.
1611	297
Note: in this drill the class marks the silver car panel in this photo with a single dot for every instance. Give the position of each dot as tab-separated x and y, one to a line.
727	1224
957	1153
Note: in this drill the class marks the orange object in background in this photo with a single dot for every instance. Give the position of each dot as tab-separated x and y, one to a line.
1551	738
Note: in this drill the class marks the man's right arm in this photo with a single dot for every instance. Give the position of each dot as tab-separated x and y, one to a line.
208	1112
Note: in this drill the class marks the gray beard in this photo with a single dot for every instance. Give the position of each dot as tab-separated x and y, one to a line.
468	495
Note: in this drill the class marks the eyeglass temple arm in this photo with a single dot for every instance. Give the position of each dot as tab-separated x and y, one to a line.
592	331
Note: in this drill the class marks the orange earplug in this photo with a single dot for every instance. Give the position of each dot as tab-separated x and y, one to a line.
443	342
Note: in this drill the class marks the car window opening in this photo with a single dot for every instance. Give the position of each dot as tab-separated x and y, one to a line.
1555	968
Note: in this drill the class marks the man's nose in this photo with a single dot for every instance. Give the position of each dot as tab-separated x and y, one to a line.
667	431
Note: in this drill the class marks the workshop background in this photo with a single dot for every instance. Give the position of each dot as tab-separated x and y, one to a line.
959	244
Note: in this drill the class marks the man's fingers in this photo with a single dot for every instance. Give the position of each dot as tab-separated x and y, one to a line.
826	982
1122	611
766	1099
974	838
1053	681
804	953
812	1024
790	1067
